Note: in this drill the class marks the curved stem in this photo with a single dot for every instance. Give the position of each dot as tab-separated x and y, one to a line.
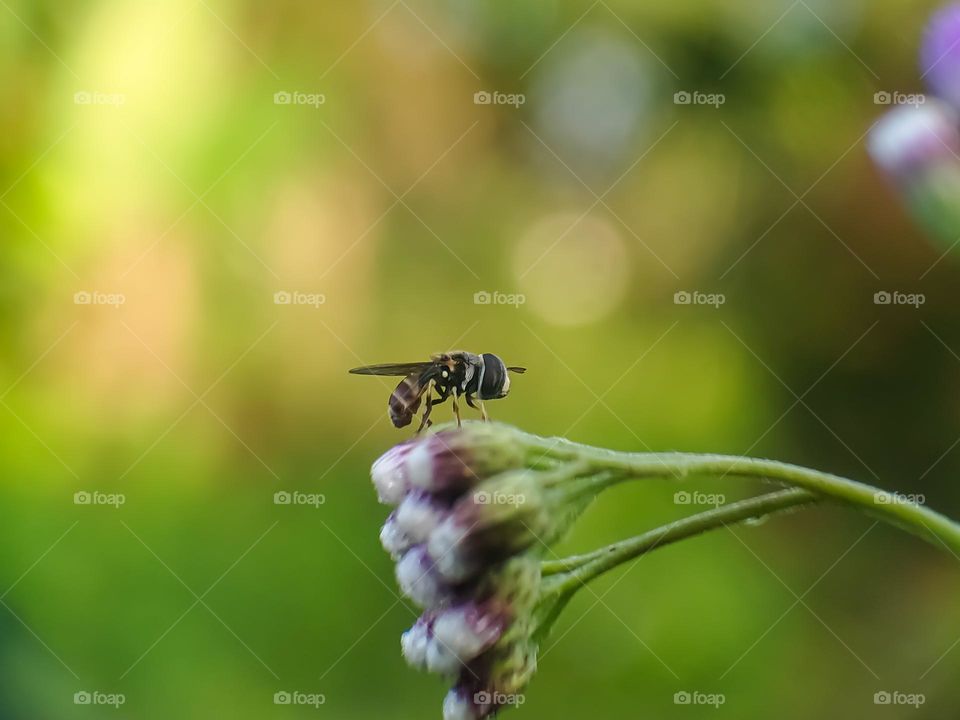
568	574
890	507
563	577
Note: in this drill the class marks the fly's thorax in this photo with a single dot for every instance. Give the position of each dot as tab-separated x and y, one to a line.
459	374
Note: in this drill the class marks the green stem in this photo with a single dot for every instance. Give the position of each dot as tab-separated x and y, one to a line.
889	507
570	573
562	578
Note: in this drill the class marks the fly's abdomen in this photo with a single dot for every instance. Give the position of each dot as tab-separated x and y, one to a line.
405	401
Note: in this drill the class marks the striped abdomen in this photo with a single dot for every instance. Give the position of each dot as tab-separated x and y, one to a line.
405	400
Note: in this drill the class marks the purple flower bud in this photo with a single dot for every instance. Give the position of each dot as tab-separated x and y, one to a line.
443	642
909	140
919	147
940	54
502	517
495	680
469	629
419	580
452	461
414	642
459	705
389	474
420	514
441	659
394	540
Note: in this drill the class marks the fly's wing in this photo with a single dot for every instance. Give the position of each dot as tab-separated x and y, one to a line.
405	400
392	369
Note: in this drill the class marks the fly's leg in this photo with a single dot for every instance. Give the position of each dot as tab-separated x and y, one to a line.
456	408
481	408
425	421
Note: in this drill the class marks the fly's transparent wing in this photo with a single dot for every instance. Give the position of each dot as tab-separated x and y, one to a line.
392	369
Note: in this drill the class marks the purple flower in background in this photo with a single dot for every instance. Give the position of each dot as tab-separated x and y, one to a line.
919	146
940	54
908	140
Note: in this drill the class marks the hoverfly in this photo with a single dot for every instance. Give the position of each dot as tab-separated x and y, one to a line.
451	374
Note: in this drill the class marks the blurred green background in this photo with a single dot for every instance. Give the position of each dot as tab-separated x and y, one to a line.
147	160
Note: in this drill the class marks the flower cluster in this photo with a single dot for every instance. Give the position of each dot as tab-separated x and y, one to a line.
475	509
469	523
918	143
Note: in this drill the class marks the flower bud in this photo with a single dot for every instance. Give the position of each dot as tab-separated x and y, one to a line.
443	642
494	681
420	514
394	540
909	140
441	658
414	642
467	630
389	474
919	148
450	462
460	705
501	517
419	580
